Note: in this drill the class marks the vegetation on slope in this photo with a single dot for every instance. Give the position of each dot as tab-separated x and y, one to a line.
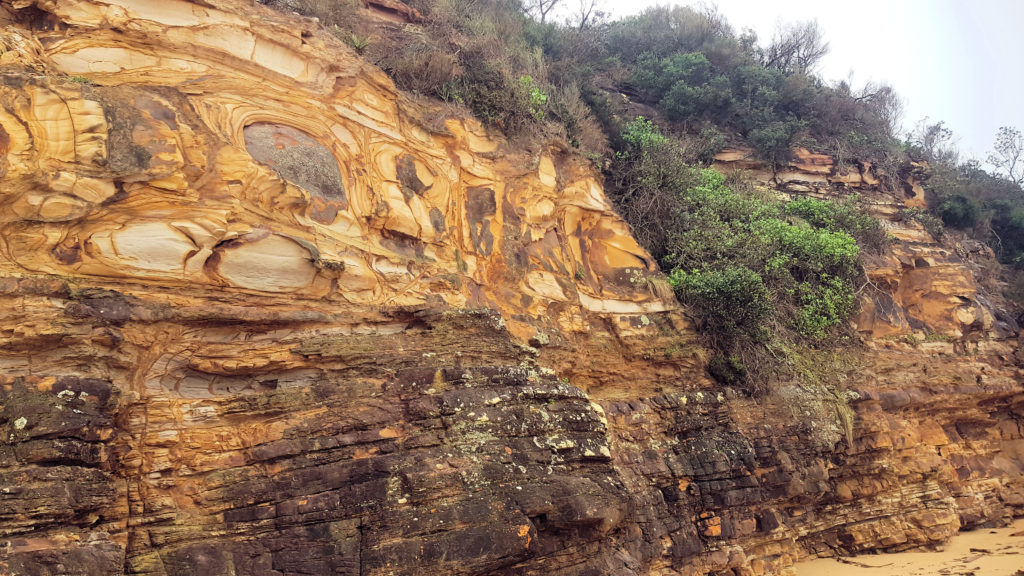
769	281
762	276
524	76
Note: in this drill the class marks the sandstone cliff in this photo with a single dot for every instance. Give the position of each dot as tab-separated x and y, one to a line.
264	315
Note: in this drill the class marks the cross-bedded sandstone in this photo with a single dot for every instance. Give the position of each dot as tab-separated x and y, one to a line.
262	314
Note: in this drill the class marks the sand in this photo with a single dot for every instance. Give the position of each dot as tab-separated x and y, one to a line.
982	552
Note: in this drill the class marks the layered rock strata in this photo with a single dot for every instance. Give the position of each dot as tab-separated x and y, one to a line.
263	315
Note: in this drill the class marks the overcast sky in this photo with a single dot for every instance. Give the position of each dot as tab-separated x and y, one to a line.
961	61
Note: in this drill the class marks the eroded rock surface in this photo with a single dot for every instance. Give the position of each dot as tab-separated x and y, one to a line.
261	315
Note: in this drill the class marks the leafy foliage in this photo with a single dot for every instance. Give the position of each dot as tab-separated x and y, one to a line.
959	211
823	306
696	70
843	216
752	269
686	61
538	100
732	300
774	142
1007	222
987	205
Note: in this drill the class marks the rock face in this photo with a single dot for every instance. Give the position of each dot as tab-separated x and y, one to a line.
263	315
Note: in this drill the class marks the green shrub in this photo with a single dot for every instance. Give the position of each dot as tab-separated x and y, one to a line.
812	251
1008	224
959	212
708	100
774	142
684	85
681	101
728	252
757	95
753	271
731	301
538	100
710	142
648	76
823	306
843	216
641	137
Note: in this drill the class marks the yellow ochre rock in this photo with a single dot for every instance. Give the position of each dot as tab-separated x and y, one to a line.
148	153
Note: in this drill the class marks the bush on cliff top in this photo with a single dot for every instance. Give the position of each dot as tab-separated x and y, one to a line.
687	62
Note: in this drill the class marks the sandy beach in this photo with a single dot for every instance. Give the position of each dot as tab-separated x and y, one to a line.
982	552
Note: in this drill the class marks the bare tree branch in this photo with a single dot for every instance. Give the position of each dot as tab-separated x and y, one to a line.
797	47
1008	155
589	13
540	8
934	143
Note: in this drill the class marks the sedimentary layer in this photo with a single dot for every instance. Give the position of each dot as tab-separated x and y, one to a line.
263	314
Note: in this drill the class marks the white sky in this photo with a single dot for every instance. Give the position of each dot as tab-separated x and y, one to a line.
961	61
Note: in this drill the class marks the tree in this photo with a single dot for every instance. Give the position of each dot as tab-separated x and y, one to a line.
798	47
885	104
541	8
934	143
773	142
589	13
1008	156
